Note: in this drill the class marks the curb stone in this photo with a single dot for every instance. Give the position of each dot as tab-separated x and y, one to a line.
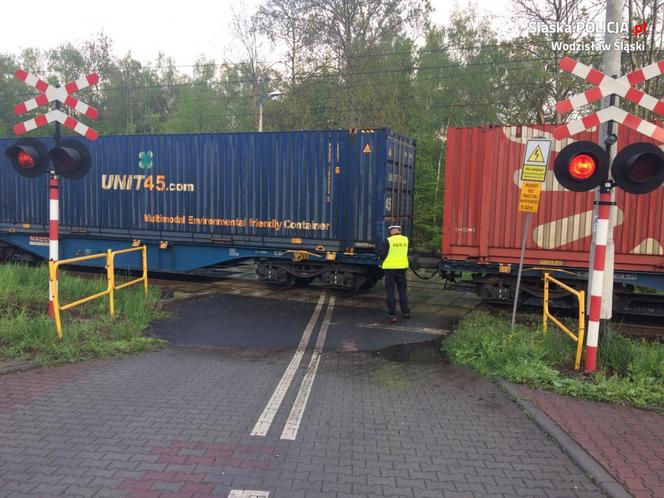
589	465
8	368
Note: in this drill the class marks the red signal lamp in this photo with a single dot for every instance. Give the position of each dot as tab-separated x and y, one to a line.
581	166
28	156
25	160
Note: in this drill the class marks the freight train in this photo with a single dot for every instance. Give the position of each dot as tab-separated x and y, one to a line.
304	204
482	228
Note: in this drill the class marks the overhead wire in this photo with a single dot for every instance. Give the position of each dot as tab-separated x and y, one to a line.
456	67
530	85
320	78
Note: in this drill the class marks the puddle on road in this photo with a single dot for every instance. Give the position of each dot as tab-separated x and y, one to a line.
414	352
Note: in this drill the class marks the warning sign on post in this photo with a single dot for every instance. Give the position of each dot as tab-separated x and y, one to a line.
530	196
535	159
536	156
532	173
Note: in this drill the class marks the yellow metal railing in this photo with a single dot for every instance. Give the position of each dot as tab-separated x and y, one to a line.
111	274
580	295
110	277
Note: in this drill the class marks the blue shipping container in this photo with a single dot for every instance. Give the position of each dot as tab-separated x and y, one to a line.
332	190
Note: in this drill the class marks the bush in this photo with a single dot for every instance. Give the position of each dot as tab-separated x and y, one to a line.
28	333
631	372
634	358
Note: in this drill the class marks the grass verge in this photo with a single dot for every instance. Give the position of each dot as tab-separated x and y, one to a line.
630	372
27	333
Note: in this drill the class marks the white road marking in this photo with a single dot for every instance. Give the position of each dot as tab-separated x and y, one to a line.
248	493
400	328
265	421
295	417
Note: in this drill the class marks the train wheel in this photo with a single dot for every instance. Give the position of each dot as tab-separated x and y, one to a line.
369	284
347	292
286	283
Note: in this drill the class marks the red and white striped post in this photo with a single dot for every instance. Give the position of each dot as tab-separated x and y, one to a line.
61	95
53	231
606	85
598	279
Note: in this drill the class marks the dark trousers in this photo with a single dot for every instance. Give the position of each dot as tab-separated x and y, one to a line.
396	278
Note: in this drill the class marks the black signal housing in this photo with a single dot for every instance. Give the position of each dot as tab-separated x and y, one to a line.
29	157
586	179
639	168
71	159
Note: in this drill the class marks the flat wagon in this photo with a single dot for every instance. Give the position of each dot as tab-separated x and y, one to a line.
303	204
483	229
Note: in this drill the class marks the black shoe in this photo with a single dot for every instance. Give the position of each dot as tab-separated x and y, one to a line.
393	319
406	315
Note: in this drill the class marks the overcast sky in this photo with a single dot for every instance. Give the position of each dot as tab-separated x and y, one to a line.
182	30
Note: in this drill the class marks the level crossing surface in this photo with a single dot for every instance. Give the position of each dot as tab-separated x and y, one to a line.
345	419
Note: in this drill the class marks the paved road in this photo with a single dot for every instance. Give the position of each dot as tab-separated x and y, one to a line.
262	397
627	442
249	323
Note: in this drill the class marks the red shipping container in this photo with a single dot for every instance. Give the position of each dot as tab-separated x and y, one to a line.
481	221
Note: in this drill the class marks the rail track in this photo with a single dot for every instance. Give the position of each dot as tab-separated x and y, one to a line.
631	324
627	324
638	330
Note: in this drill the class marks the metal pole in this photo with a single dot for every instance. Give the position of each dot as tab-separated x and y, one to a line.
53	234
545	307
54	220
260	115
598	278
56	136
110	274
145	270
611	63
526	225
607	288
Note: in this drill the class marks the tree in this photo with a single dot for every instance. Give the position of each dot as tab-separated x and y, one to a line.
652	39
472	47
348	27
133	100
198	110
256	77
11	92
170	82
287	22
65	63
354	34
549	84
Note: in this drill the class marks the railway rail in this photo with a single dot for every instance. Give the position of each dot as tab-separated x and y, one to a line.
640	330
634	326
627	323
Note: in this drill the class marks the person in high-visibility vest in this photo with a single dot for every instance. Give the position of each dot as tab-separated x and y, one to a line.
395	265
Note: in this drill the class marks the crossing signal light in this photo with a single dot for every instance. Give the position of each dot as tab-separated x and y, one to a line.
28	156
581	166
71	159
639	168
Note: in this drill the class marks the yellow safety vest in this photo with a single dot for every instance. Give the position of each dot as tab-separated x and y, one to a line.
397	256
